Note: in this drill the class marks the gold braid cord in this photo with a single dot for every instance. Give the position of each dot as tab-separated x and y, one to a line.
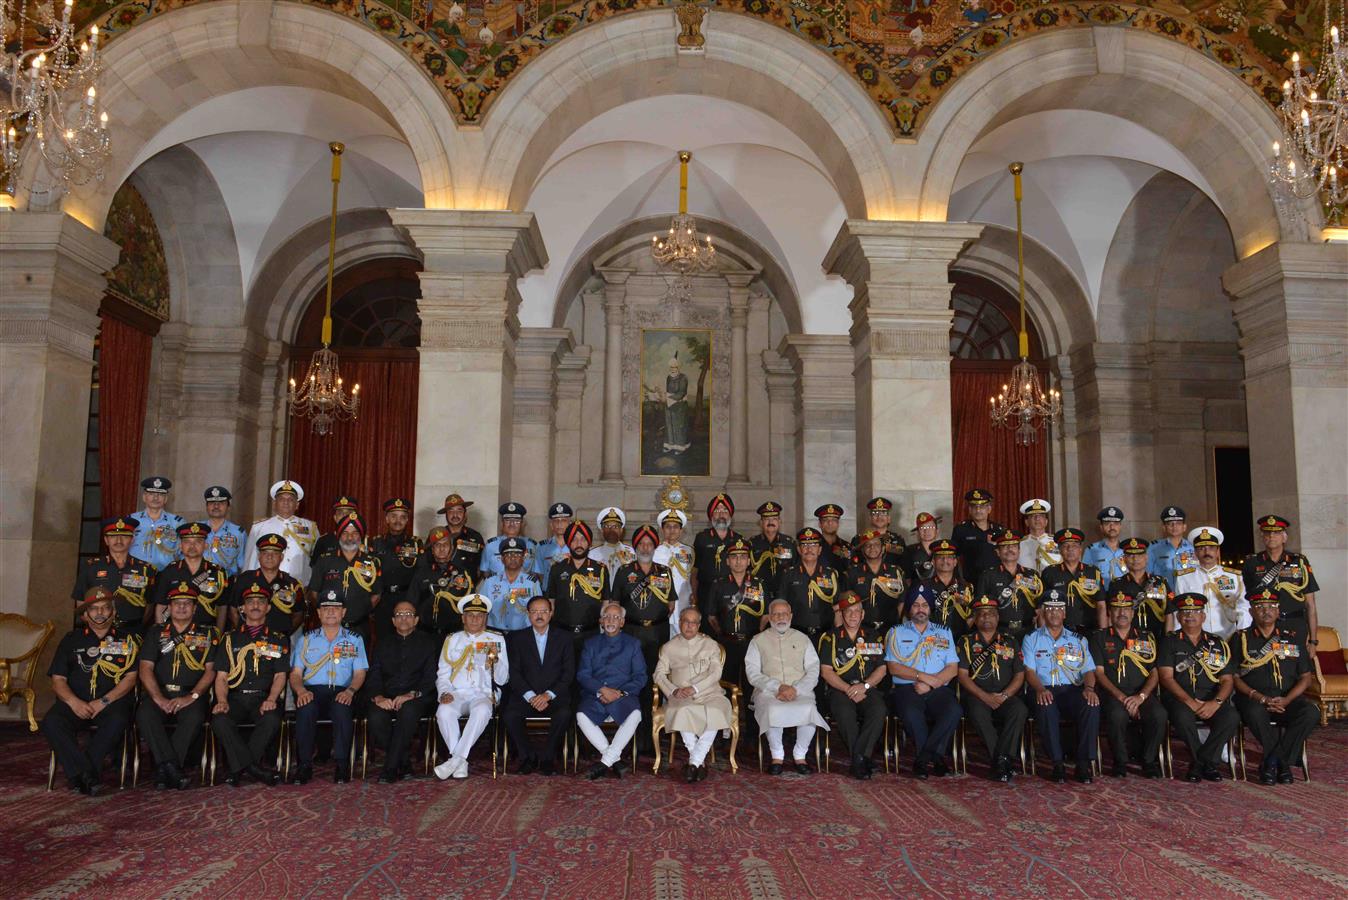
740	605
763	558
657	593
133	597
1140	658
1155	604
364	573
950	600
237	662
990	659
1210	587
593	591
284	599
1060	663
304	542
312	669
1028	589
1076	589
680	563
849	665
825	595
1267	657
1211	662
1295	589
111	669
182	654
456	665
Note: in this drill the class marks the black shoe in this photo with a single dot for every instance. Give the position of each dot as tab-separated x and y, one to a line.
701	773
1284	775
1084	773
858	770
303	775
387	777
775	769
920	771
621	767
161	780
528	766
1210	773
176	778
1194	775
802	768
1120	770
234	779
87	785
1059	773
598	771
341	775
1268	775
616	771
940	769
1151	770
690	773
405	773
261	775
547	768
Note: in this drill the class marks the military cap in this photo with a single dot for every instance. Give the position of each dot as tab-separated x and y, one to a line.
983	601
349	520
646	531
925	518
1007	537
721	499
1190	602
156	484
1133	546
193	529
1120	599
511	510
255	590
880	504
1274	524
808	535
579	527
848	599
393	503
561	511
1110	514
344	502
330	598
1206	536
1173	514
738	545
96	592
611	515
942	547
438	533
286	486
1037	505
1063	535
1053	598
183	591
828	509
120	525
512	545
1264	596
271	542
475	603
452	500
216	492
769	508
978	495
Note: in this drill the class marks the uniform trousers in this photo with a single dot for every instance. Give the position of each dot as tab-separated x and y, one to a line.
735	650
1152	722
930	719
1068	702
324	704
858	724
393	730
1221	728
152	722
1282	737
610	750
62	727
1000	729
477	707
243	710
652	638
559	715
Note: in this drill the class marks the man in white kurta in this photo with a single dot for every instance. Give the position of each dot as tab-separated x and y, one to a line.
689	674
300	534
472	665
1227	610
678	557
782	666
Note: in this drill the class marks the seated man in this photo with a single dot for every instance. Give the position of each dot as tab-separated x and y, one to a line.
782	667
251	664
473	665
1274	672
92	674
1126	678
922	660
1061	672
542	670
611	675
327	668
1198	675
851	663
177	667
689	674
400	686
991	674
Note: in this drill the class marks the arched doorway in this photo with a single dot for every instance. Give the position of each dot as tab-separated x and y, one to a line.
376	332
983	350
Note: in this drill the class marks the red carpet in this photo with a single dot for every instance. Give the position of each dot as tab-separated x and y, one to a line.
749	835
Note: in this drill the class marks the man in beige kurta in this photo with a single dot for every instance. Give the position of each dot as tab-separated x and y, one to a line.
782	666
689	674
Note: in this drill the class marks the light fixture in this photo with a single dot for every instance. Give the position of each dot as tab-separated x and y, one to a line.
321	396
1023	404
682	250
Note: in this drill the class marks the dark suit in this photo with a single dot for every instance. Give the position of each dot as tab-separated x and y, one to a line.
530	675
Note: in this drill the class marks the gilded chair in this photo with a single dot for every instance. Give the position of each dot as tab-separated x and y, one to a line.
1329	689
735	694
21	644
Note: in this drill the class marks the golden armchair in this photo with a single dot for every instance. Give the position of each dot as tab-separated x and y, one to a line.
733	691
21	644
1329	690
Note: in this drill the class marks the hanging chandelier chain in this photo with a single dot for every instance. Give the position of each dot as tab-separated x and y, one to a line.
682	250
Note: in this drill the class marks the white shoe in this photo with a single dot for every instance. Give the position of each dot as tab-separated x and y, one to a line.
461	770
446	768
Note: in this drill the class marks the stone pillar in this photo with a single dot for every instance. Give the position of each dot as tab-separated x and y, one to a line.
826	424
469	325
1292	314
899	272
615	307
537	354
780	379
739	375
51	284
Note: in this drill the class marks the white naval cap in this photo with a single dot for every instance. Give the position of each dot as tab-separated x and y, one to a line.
1036	505
289	487
610	512
676	513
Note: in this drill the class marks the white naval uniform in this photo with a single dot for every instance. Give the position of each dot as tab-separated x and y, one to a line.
1039	553
613	557
463	672
300	535
679	558
1227	611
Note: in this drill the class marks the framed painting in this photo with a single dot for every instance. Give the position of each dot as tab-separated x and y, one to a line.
676	401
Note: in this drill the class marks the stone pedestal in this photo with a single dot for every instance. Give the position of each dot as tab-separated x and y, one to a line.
900	340
826	432
1291	306
469	326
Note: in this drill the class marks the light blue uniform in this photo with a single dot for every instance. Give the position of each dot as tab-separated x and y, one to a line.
224	547
1109	562
510	600
928	651
329	663
1064	661
156	542
1165	559
545	554
491	555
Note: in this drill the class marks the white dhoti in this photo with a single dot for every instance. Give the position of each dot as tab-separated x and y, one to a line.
477	707
610	750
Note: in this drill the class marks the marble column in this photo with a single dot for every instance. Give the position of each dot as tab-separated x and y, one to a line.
534	436
826	432
469	326
1114	415
900	338
1292	314
615	308
780	379
51	283
739	375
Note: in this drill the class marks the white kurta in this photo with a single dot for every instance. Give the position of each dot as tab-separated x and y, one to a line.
300	535
679	558
696	664
1227	611
774	660
1039	553
463	665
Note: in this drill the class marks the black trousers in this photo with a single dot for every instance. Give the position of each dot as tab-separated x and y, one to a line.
1000	729
324	705
393	732
1068	702
1282	737
735	651
518	709
153	724
61	727
937	707
1223	725
243	710
858	724
1151	720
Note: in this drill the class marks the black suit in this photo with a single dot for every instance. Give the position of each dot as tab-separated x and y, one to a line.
530	675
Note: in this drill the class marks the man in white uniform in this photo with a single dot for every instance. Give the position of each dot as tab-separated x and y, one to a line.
689	674
782	666
473	665
1227	610
1038	550
299	533
614	553
679	557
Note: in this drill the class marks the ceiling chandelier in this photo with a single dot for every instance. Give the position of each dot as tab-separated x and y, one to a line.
321	396
683	251
1310	158
1023	403
53	93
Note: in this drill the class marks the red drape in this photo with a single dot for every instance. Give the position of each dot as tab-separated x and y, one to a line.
123	383
988	457
370	459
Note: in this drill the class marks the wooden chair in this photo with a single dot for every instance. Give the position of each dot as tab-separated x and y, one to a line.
1329	690
735	694
21	644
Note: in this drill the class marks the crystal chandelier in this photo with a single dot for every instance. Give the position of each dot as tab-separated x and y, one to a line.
1023	403
53	93
1310	158
682	250
321	396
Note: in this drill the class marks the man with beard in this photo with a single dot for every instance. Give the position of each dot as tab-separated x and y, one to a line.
286	607
1078	582
773	552
880	512
438	586
991	674
1228	610
1038	550
1126	678
689	675
834	552
645	591
1151	598
1106	554
810	588
916	558
678	556
1198	675
511	590
467	543
953	595
1271	681
782	667
512	526
922	661
1015	587
973	538
739	605
709	563
578	587
225	540
611	676
251	664
127	580
1287	574
851	664
878	582
208	579
614	552
474	665
1061	673
398	551
401	684
327	544
299	533
353	575
554	549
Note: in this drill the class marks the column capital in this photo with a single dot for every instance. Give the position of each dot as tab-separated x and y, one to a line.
740	281
538	351
460	240
866	251
613	275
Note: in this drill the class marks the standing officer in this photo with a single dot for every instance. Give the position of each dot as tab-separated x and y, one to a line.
1106	554
1173	551
811	587
1079	582
401	687
327	543
973	538
251	663
851	664
1227	611
1061	672
511	590
678	556
645	591
773	552
1289	576
737	606
916	558
834	552
1198	675
1126	678
156	540
299	533
206	578
953	594
127	580
1038	550
578	586
554	549
1271	681
991	674
709	545
177	668
286	606
327	669
438	586
614	552
922	659
1151	597
512	526
1015	588
880	511
354	576
225	543
877	582
398	551
467	542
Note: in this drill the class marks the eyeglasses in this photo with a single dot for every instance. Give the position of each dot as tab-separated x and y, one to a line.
404	615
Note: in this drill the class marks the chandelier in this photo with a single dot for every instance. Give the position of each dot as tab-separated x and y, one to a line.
321	396
53	93
683	251
1024	404
1310	158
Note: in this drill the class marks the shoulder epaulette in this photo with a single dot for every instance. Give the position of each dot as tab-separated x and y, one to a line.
1232	569
1188	571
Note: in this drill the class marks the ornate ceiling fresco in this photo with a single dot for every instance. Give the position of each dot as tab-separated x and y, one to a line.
905	53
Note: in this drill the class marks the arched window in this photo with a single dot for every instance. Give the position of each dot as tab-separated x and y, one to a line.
374	308
986	322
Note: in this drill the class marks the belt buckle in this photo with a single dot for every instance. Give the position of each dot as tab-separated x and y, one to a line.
577	629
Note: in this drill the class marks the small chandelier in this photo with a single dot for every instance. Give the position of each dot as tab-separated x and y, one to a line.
1023	403
53	94
682	250
321	396
1311	157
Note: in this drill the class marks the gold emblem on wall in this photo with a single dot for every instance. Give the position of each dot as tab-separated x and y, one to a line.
672	495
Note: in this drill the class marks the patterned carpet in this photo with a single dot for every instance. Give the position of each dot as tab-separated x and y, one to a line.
748	835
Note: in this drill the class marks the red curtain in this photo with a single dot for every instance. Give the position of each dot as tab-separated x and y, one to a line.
370	459
123	383
989	457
